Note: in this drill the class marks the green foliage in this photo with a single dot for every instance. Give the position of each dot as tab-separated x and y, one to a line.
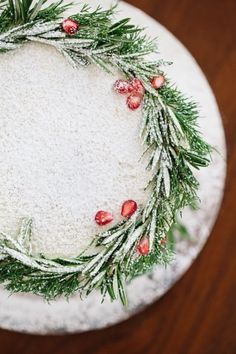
98	25
22	278
18	12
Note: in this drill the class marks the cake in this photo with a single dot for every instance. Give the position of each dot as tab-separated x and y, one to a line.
71	156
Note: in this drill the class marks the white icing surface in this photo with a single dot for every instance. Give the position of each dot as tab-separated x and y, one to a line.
29	313
69	147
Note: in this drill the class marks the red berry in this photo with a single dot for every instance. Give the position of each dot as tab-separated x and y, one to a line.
103	217
138	87
143	246
123	87
158	81
70	26
134	101
128	208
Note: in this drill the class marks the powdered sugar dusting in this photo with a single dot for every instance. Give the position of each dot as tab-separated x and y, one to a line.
69	148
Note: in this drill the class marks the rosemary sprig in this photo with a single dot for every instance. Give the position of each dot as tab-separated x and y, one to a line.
19	12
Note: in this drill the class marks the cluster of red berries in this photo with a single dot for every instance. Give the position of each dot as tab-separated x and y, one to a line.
136	90
129	207
127	210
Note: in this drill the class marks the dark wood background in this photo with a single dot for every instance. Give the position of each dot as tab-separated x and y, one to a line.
198	315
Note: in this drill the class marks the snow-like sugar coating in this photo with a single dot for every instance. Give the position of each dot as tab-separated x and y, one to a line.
69	147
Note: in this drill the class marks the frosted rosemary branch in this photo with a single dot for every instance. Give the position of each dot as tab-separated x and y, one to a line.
169	135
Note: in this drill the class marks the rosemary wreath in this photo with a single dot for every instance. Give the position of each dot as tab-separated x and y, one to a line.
169	133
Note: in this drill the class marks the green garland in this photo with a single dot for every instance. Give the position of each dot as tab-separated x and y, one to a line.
169	132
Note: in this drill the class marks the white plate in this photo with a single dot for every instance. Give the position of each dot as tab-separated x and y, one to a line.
27	313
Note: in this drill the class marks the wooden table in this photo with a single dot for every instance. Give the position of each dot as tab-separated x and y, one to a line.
198	315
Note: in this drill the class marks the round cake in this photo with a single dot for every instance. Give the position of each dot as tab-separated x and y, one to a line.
98	151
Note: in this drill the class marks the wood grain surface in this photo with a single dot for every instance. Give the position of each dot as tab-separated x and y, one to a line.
198	315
